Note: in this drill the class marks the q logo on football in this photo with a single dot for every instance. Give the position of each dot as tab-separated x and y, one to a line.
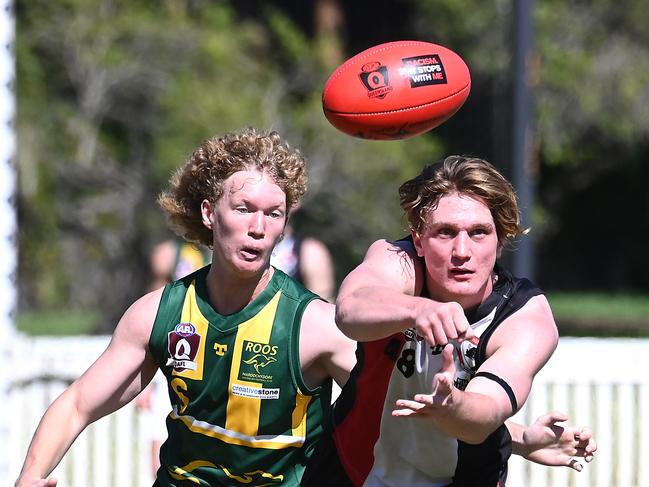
376	80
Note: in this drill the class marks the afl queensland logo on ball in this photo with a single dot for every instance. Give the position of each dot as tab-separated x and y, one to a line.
376	79
183	344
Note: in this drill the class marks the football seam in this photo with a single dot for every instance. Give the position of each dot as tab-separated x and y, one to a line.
405	109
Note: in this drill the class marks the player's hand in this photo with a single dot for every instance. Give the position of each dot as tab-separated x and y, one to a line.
442	395
439	323
551	444
36	482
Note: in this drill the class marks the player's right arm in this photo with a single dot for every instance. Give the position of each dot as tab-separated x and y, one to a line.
380	297
115	378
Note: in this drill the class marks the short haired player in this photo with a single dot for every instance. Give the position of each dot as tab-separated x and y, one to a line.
449	340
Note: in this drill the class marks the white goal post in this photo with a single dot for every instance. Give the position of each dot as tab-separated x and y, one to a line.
8	244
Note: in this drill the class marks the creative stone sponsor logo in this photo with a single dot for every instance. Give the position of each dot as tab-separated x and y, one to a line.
424	70
376	79
255	392
256	361
183	344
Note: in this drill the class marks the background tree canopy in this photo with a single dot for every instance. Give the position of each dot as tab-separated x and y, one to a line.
115	94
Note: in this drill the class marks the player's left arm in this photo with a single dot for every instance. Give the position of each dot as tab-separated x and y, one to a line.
517	350
548	442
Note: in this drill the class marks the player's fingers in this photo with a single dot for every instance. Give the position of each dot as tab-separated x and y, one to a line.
461	325
439	333
448	364
449	329
587	441
402	413
408	408
575	465
586	454
442	387
425	329
585	433
467	334
553	417
413	405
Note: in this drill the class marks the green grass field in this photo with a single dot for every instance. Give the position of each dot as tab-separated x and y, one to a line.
58	322
601	314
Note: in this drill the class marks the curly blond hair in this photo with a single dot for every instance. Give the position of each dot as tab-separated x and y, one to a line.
203	175
468	175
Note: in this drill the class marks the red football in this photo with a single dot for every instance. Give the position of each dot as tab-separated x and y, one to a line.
396	90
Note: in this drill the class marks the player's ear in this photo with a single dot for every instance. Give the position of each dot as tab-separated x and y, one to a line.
207	214
416	240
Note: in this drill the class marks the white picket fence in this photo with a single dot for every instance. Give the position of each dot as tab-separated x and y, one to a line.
603	383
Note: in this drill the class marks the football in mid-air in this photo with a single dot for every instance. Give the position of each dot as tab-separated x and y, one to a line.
396	90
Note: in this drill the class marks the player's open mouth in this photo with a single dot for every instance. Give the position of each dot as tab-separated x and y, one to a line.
461	272
249	253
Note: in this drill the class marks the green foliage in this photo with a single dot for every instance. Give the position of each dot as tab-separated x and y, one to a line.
113	95
593	77
130	91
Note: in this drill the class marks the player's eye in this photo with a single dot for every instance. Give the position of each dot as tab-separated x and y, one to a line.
446	232
479	231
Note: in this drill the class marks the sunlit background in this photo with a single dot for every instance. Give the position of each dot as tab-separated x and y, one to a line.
111	96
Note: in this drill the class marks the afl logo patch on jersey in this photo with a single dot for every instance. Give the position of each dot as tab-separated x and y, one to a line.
185	329
183	344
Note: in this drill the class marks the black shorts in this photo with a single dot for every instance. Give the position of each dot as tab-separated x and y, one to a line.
324	468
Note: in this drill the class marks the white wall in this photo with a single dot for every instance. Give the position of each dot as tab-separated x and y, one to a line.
602	383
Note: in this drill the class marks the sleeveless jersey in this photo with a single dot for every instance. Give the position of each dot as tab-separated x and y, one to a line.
241	412
376	449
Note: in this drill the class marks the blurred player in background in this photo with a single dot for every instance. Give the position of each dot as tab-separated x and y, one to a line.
308	260
173	259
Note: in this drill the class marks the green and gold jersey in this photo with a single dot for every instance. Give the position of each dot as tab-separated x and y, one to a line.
241	412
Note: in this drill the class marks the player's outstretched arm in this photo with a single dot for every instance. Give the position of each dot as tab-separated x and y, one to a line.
380	297
376	299
518	349
458	413
116	377
548	443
